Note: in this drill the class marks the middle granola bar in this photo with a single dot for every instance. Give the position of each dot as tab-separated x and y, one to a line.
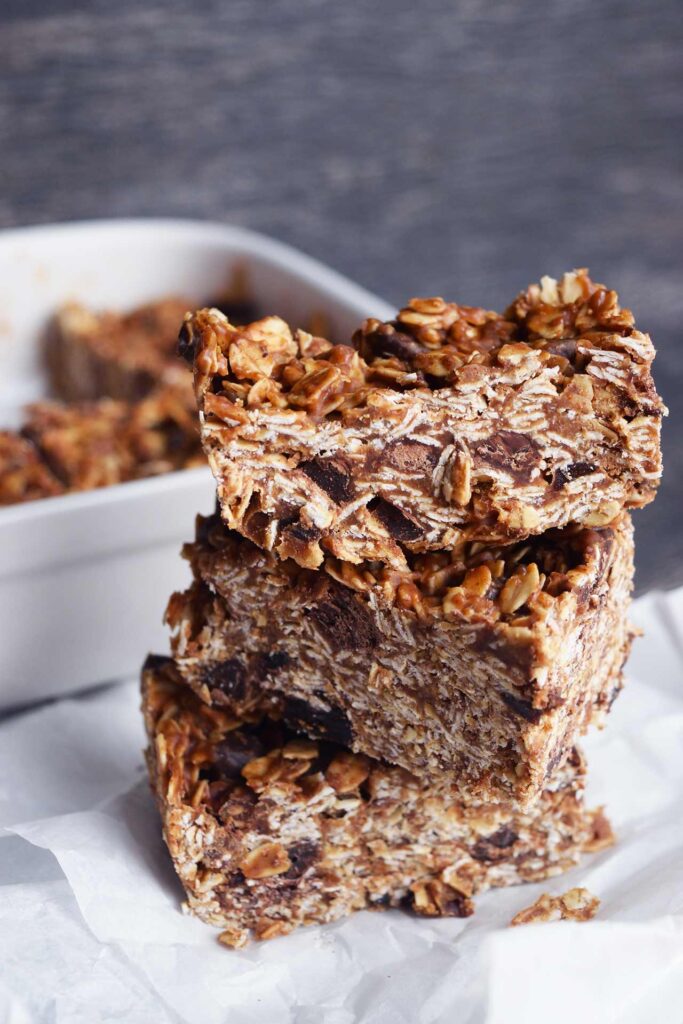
480	665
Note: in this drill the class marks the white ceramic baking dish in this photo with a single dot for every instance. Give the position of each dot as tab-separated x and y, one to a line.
84	578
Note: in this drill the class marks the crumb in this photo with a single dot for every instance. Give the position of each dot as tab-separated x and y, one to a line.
575	905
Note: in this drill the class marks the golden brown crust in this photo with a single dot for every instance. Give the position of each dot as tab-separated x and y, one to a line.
269	831
448	424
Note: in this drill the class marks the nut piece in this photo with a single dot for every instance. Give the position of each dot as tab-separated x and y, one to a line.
434	898
519	588
346	771
271	929
257	350
461	478
478	580
457	881
304	750
234	937
265	861
575	905
604	515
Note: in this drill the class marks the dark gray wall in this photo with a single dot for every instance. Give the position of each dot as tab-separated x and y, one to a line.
422	148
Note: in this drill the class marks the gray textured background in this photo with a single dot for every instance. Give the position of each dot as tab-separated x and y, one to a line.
434	147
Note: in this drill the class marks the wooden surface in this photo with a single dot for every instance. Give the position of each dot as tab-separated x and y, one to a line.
440	147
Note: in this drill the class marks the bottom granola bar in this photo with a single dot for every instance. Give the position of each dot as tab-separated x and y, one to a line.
269	830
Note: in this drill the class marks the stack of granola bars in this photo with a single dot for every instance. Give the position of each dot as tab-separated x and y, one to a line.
410	603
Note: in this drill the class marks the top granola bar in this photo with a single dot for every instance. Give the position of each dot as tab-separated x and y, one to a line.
448	424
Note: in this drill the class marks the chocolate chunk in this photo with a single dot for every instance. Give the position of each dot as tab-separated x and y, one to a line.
187	343
227	676
332	476
255	526
494	847
565	347
236	750
301	856
521	707
389	342
175	436
571	472
453	905
519	656
275	660
512	453
329	723
343	620
298	539
411	456
300	532
398	525
503	838
157	663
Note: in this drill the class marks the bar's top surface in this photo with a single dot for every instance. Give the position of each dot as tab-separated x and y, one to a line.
431	344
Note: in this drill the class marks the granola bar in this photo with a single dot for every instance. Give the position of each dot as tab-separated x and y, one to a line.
269	830
126	355
113	355
480	665
448	424
95	444
23	474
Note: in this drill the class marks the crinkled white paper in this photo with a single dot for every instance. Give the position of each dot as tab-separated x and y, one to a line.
91	928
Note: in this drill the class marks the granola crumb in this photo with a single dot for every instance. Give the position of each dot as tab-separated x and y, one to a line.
577	904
